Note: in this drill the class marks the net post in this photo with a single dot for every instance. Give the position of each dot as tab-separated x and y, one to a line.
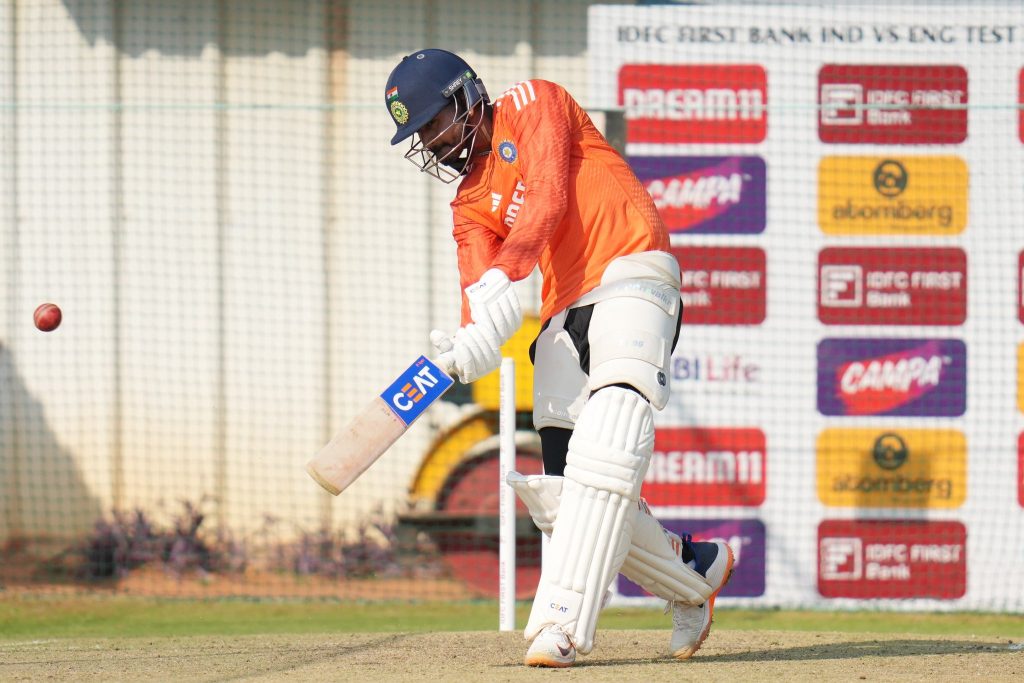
506	497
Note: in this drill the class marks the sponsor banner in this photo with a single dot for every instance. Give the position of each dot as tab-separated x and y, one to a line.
907	377
862	195
896	104
1020	102
707	467
747	539
892	468
892	559
1020	286
1020	469
706	195
1020	378
722	371
892	286
722	285
694	103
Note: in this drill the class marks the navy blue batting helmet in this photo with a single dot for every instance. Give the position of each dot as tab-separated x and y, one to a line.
422	85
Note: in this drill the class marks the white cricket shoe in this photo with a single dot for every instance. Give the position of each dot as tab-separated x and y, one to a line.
692	624
551	648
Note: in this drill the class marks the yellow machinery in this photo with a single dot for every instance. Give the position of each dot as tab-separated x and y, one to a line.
454	494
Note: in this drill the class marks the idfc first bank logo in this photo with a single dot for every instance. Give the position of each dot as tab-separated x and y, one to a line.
706	195
694	103
892	104
907	377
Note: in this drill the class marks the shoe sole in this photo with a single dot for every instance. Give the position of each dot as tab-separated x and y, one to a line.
689	652
541	661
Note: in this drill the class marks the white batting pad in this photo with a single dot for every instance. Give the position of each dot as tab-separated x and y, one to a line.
608	456
654	564
652	561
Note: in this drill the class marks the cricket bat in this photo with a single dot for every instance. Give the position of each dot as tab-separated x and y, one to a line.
378	426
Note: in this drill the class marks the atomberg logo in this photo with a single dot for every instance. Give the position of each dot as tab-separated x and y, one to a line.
899	468
706	195
892	104
694	103
924	377
860	195
415	389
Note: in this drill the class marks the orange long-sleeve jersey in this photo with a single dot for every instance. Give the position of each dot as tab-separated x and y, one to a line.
552	192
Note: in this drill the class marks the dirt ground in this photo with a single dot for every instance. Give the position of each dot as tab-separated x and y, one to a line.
491	656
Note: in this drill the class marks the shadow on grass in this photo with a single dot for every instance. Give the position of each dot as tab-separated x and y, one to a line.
825	651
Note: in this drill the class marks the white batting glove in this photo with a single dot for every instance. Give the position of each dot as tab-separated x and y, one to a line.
493	302
444	343
473	352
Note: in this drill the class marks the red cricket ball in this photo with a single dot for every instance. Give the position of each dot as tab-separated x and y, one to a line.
47	317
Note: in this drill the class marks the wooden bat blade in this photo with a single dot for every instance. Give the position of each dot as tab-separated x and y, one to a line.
378	426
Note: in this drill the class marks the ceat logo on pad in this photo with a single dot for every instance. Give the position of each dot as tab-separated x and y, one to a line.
892	468
694	103
892	286
892	195
706	195
747	539
892	104
892	559
722	285
707	467
907	377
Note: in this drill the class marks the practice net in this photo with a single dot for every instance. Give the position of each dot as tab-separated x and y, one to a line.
208	192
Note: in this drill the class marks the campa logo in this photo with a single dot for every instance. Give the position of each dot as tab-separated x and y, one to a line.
924	377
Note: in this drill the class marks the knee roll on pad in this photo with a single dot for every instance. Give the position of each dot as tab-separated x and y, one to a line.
608	456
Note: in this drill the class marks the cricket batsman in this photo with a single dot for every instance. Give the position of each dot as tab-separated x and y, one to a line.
540	186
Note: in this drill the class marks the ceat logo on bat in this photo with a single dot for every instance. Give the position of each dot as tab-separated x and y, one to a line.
694	103
919	377
747	539
420	385
892	468
707	467
892	286
892	195
892	559
722	285
892	104
706	195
